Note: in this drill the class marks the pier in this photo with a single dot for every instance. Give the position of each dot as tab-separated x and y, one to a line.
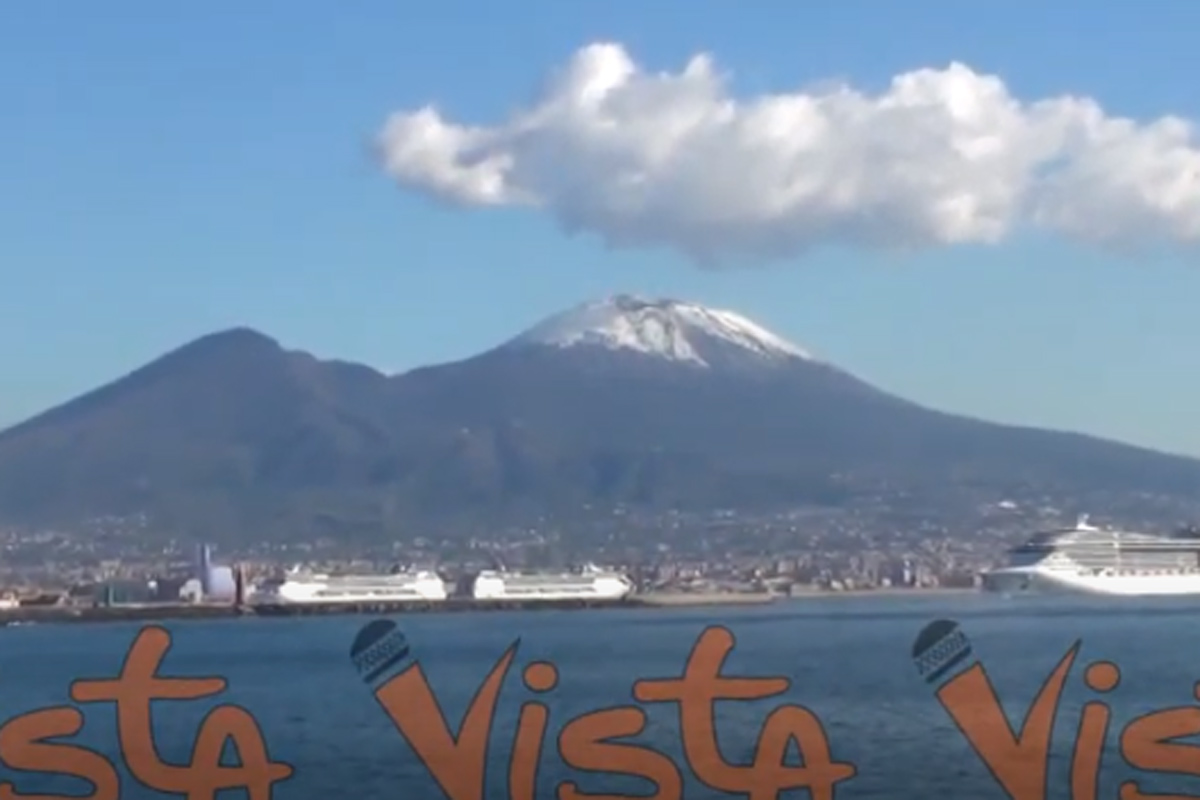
150	612
453	604
141	612
697	599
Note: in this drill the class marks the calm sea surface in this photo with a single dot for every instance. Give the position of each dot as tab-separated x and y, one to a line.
849	659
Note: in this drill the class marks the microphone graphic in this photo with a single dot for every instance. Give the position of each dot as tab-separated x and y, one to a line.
943	657
380	653
383	658
939	649
941	653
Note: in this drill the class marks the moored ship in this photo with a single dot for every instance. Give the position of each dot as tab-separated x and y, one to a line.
588	583
299	587
1091	560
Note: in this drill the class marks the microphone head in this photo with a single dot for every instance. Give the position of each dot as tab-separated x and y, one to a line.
939	647
379	650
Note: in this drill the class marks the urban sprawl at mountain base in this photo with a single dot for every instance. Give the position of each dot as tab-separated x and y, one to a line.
686	446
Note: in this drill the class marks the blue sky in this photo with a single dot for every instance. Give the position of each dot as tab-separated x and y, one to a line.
170	170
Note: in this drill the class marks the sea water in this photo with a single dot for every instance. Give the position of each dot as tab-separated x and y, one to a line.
849	660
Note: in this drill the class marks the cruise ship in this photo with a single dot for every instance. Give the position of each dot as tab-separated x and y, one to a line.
589	583
1093	560
301	587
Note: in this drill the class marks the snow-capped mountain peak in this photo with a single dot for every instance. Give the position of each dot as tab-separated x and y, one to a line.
670	329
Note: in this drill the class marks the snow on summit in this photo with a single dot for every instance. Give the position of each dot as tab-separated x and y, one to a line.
671	329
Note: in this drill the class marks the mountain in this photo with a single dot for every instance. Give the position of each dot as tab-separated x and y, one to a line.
654	403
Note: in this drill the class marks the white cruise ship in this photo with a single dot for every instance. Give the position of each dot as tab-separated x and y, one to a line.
300	587
589	583
1099	561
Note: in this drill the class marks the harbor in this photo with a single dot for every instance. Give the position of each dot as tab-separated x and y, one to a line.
209	590
697	599
152	612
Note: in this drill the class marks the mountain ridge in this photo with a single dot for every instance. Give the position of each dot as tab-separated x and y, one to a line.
233	433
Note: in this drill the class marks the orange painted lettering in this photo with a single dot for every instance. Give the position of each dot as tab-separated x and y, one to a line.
457	763
589	742
541	676
1146	743
1103	676
1018	762
23	747
585	743
696	693
134	690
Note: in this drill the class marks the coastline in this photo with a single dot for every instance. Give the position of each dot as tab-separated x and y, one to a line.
26	615
162	612
684	599
924	591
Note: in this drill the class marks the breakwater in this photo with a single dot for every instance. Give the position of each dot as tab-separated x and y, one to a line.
450	605
27	615
692	599
167	611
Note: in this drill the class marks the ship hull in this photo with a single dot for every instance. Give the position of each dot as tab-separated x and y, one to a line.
275	600
551	597
499	586
1015	581
350	590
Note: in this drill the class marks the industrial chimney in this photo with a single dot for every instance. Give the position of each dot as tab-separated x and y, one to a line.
239	593
204	565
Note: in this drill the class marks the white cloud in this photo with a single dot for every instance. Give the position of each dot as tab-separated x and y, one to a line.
942	157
